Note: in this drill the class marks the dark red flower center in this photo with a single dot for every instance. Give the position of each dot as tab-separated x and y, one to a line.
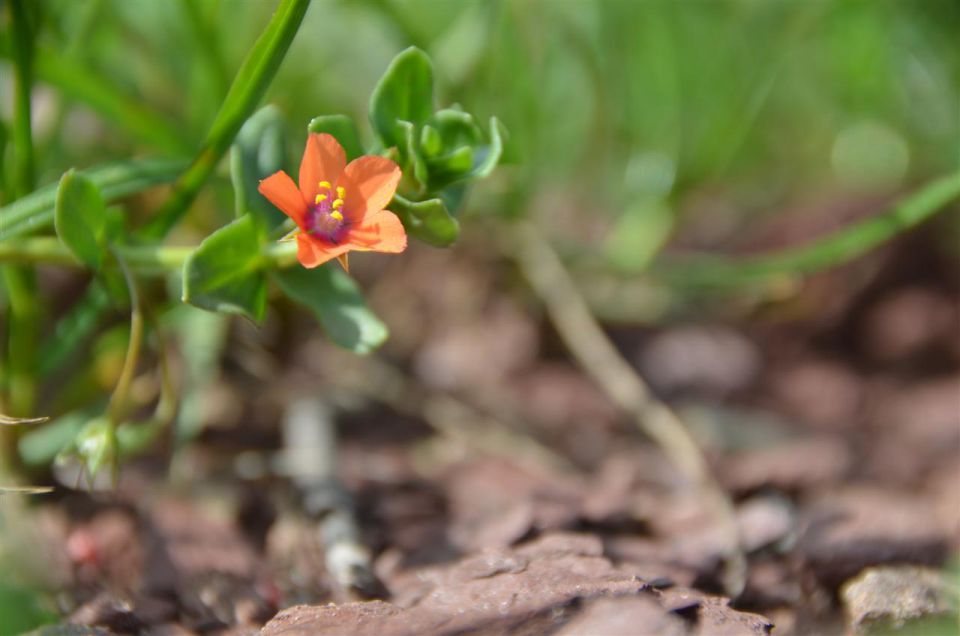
326	218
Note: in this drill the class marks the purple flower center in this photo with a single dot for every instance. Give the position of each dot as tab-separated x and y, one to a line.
326	218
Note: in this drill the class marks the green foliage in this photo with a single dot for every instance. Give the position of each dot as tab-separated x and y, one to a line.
81	218
115	180
338	304
20	609
259	150
427	220
343	129
226	272
404	93
96	447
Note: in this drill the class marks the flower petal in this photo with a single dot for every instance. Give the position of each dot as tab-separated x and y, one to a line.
381	232
323	160
280	190
311	252
370	183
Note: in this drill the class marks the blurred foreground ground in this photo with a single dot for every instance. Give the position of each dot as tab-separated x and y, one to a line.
832	419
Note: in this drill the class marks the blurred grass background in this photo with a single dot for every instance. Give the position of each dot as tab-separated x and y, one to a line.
608	102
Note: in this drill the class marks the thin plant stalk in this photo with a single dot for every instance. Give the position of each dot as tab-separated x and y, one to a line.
248	87
594	352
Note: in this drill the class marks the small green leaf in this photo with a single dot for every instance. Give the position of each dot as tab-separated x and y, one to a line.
225	273
487	157
410	158
343	129
39	446
456	127
427	220
338	304
430	141
80	218
259	150
405	92
450	167
96	445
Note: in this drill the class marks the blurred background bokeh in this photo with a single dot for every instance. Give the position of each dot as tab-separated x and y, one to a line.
639	116
636	127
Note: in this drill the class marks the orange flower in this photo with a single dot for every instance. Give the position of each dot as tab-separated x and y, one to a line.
338	207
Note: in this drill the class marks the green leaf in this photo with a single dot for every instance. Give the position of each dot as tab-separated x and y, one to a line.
450	167
456	128
338	304
343	129
259	150
115	180
430	141
487	157
405	92
96	445
427	220
39	446
225	273
410	158
81	218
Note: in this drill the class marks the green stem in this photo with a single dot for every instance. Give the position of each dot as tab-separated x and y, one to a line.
20	282
134	438
22	54
248	87
142	259
37	250
830	251
118	401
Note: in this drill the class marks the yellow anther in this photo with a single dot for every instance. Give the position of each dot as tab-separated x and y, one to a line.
337	204
320	198
336	214
325	185
341	192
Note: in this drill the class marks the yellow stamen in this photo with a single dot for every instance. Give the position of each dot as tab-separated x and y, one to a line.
336	214
341	192
337	204
325	185
320	197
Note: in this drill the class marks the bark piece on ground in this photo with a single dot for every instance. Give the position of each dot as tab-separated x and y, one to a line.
891	597
625	616
793	466
859	527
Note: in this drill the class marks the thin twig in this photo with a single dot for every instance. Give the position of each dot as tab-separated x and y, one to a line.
310	442
593	350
